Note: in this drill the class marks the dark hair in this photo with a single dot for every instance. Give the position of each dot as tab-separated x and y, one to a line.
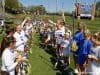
8	31
5	43
10	40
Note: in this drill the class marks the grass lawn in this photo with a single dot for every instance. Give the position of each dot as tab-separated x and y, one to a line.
39	59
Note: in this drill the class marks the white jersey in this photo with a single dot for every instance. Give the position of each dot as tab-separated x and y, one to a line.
66	45
28	28
59	36
63	29
19	41
25	38
8	61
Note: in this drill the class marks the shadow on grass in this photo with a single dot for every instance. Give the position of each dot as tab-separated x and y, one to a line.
51	51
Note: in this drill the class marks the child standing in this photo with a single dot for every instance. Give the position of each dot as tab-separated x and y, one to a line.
94	66
84	51
66	48
78	38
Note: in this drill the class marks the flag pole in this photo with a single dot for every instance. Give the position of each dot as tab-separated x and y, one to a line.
73	20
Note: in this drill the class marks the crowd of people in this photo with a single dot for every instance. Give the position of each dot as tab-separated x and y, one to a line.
14	47
83	45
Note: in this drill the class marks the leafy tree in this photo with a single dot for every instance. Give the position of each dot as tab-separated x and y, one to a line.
40	9
12	4
36	9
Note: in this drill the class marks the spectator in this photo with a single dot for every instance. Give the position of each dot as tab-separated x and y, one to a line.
8	58
9	33
94	66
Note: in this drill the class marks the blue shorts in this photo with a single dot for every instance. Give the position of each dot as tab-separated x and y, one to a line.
81	59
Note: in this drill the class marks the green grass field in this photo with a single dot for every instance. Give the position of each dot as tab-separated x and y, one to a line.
39	59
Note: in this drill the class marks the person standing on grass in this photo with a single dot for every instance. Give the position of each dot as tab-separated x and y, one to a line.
28	27
61	24
65	45
59	37
79	39
84	51
94	57
8	58
49	37
9	33
19	38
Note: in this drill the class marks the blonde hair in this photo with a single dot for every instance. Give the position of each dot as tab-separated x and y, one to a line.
96	37
82	26
87	33
68	34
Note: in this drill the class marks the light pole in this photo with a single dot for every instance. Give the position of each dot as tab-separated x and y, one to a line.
56	6
73	20
63	13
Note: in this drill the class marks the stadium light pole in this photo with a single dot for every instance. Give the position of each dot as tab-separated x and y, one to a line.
56	6
73	20
63	13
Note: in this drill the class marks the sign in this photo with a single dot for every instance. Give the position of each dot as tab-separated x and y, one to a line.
86	11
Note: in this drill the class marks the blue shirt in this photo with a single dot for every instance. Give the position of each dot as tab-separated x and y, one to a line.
86	47
79	38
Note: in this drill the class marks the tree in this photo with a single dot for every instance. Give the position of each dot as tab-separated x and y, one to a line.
40	9
36	9
12	5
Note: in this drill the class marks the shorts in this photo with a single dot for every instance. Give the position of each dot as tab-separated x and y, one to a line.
66	53
81	59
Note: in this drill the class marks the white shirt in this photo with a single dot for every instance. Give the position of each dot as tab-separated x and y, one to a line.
28	28
19	41
66	45
58	35
25	38
63	29
8	64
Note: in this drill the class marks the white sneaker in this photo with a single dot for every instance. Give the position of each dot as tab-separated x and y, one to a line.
76	71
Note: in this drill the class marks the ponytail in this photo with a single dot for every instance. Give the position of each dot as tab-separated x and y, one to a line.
5	43
82	26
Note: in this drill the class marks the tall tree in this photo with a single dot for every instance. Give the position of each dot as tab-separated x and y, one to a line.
12	4
40	9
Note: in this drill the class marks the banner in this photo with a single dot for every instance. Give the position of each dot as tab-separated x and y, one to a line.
86	10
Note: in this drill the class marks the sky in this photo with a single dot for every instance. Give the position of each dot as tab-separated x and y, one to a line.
56	5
